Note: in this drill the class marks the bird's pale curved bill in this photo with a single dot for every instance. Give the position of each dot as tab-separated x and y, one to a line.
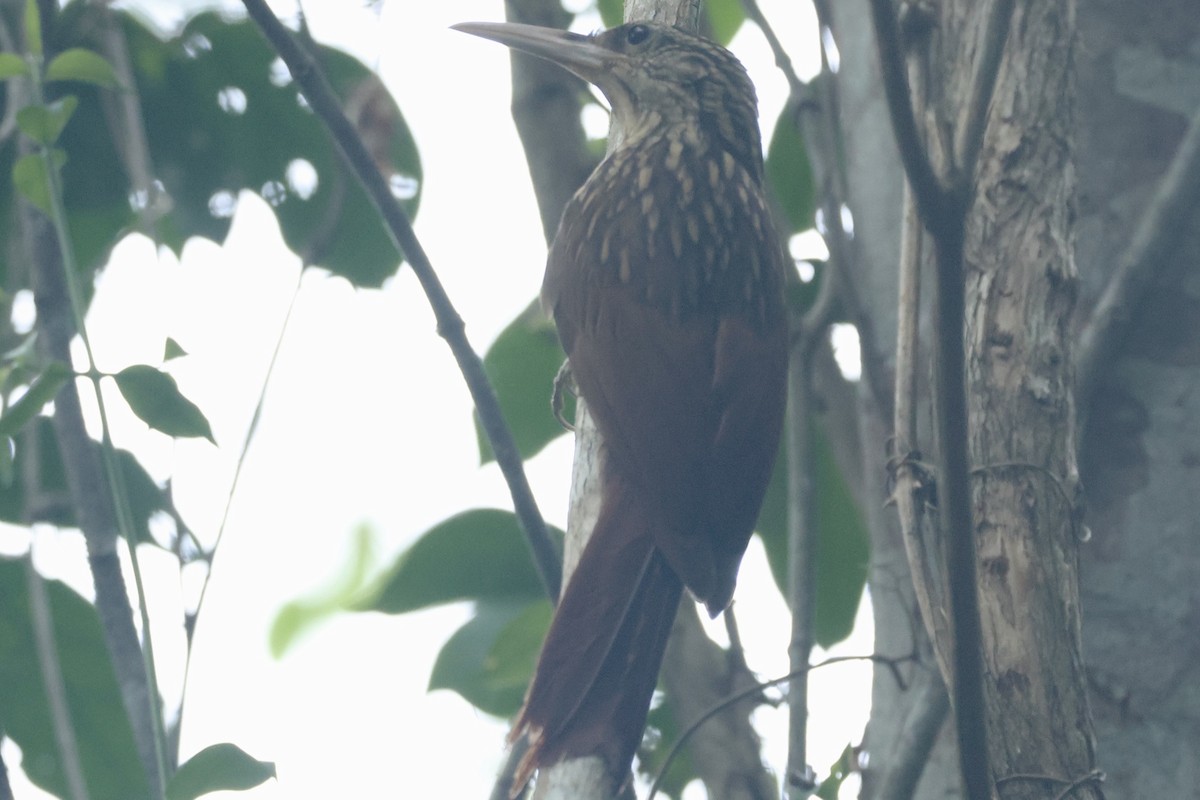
578	53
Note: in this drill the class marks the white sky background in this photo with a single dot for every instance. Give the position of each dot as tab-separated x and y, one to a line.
368	421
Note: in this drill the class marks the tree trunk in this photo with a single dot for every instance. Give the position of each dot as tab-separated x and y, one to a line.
1021	287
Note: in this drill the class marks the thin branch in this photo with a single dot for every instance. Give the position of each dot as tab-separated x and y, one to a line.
954	498
910	752
94	499
931	196
893	664
697	673
972	123
1157	234
324	103
907	351
796	87
128	126
820	128
802	556
943	213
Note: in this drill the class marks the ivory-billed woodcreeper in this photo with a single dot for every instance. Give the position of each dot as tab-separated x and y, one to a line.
665	281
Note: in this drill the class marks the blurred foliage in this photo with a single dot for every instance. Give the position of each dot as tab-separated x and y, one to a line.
203	114
345	592
106	750
663	731
521	365
478	555
789	173
221	116
844	767
215	768
36	458
490	659
720	18
843	544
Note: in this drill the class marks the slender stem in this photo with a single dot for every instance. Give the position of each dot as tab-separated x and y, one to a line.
943	212
820	126
802	554
954	503
918	736
930	195
321	98
116	482
189	627
905	421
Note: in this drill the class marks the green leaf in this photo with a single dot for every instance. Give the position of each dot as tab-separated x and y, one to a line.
109	758
173	349
725	17
841	769
521	364
218	767
33	28
44	124
476	555
32	180
222	118
8	452
12	65
490	659
789	173
842	542
43	389
39	472
612	12
345	593
80	64
155	398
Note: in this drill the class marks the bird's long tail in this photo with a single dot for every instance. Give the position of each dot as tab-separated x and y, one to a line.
599	665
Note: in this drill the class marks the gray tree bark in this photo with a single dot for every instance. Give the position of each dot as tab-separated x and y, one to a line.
1139	83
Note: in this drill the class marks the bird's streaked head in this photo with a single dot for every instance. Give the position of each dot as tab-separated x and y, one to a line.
652	75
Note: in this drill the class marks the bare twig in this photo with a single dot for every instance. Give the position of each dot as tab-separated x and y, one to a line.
129	128
802	554
698	673
943	212
893	664
324	103
931	196
1157	234
950	410
905	430
91	495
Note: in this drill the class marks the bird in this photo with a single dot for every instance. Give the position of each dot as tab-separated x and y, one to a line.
665	281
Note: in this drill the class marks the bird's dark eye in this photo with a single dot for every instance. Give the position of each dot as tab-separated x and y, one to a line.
637	34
